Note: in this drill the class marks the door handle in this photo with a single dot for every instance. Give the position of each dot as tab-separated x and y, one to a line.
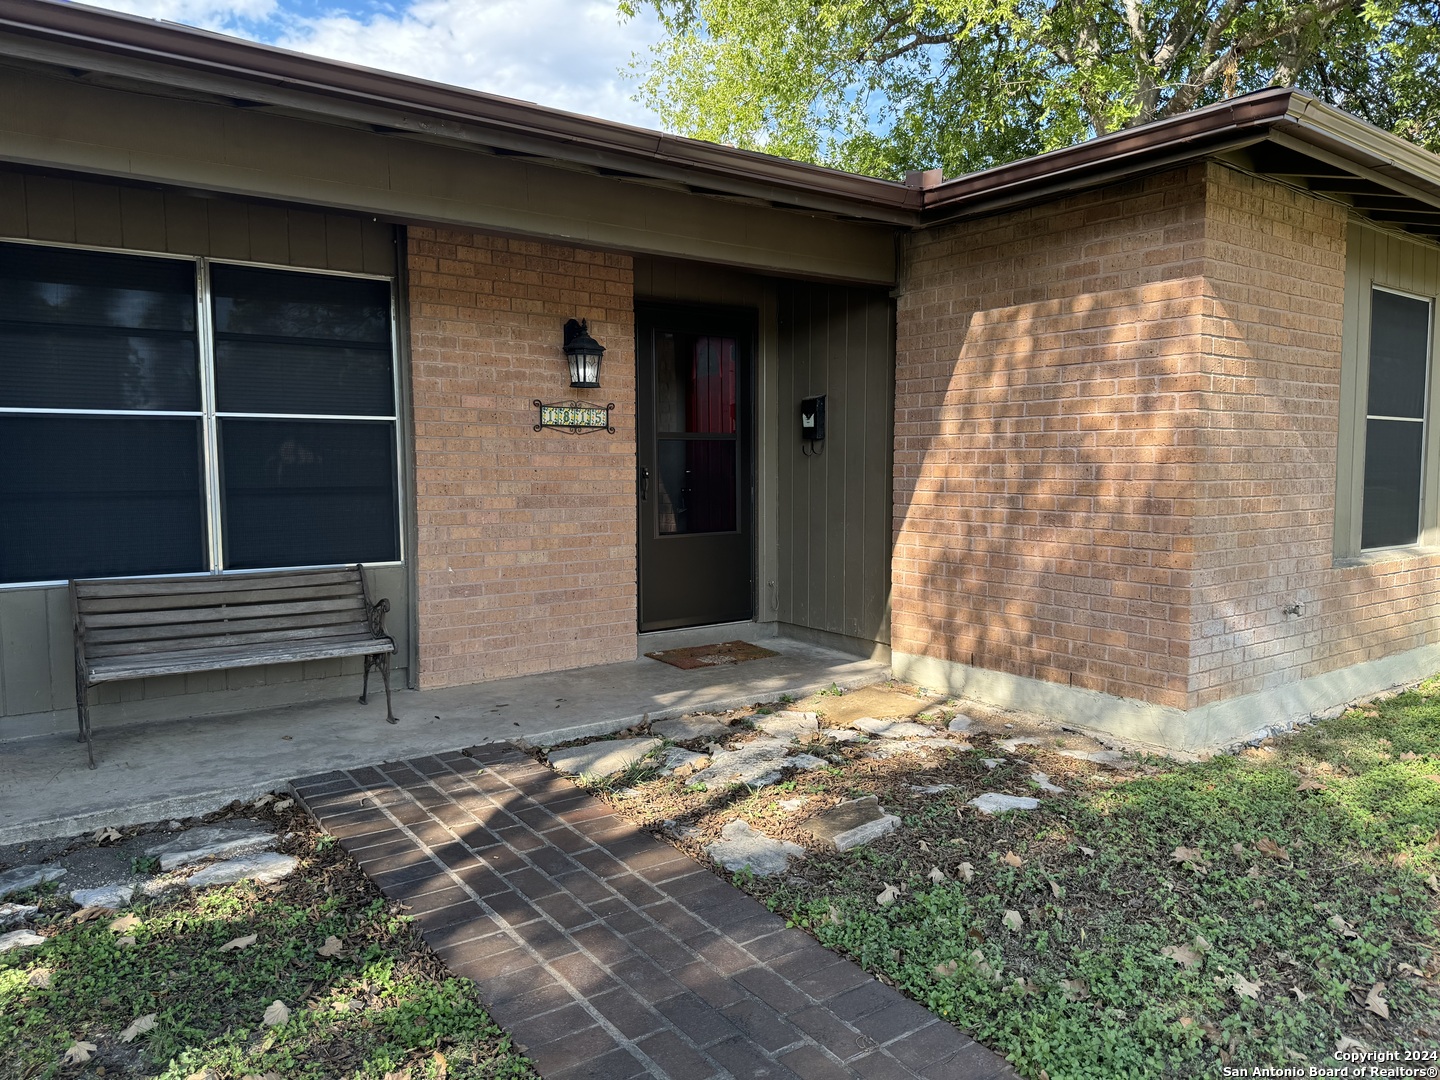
644	483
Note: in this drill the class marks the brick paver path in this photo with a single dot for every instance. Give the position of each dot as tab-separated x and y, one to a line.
605	952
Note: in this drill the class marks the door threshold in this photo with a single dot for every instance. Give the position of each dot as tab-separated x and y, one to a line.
714	633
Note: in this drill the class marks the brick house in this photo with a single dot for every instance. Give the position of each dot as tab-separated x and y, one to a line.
1134	433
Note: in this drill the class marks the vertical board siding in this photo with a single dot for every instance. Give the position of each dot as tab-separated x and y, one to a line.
834	542
37	662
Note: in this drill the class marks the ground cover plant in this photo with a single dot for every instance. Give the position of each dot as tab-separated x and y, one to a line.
1264	908
187	986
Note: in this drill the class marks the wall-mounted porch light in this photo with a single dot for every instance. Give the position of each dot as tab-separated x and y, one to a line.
583	354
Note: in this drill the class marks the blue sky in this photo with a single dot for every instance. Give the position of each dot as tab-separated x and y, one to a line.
564	53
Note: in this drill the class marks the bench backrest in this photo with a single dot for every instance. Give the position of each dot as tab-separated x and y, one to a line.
118	617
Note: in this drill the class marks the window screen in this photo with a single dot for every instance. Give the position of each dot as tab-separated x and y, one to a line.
1395	420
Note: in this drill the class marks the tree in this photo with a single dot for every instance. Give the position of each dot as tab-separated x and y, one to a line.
882	86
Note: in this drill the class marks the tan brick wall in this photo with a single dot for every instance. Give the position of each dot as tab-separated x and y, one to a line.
1044	450
526	557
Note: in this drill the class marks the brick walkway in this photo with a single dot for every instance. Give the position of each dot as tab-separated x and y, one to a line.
605	952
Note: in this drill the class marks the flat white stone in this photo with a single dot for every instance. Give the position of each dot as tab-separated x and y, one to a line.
790	726
264	867
805	761
852	823
992	763
18	939
110	896
13	913
757	764
20	878
842	734
209	841
1042	781
1010	745
888	748
960	722
1099	757
892	729
677	759
603	758
687	728
992	802
931	789
742	848
791	805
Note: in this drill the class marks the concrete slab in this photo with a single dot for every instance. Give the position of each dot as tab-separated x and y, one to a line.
852	823
601	759
689	728
151	772
742	848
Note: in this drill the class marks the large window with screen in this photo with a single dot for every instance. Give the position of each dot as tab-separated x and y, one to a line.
1395	420
173	415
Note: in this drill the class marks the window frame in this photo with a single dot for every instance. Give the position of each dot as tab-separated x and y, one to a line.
210	416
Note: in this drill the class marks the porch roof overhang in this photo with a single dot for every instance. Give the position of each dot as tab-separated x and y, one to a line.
1280	132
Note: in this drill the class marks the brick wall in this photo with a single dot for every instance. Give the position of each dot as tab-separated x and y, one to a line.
1045	369
526	557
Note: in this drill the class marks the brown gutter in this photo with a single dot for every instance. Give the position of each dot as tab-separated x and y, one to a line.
721	167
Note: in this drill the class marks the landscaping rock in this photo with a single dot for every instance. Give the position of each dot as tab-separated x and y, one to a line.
891	729
1099	757
992	802
10	914
742	848
675	761
1042	781
842	734
688	728
264	867
806	761
850	824
992	763
888	748
757	764
790	726
107	896
209	841
601	759
791	805
931	789
19	878
18	939
960	722
1010	745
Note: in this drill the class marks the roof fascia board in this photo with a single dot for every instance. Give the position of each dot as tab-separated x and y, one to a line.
1360	149
73	36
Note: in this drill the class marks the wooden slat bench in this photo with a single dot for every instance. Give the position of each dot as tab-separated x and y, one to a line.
128	628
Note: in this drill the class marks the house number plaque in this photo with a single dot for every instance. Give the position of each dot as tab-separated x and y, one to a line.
576	417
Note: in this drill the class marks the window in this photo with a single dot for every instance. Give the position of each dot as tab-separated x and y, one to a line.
1395	426
137	442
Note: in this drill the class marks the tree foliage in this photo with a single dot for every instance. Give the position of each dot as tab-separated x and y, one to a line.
882	86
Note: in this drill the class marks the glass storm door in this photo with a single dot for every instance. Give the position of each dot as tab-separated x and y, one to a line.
696	502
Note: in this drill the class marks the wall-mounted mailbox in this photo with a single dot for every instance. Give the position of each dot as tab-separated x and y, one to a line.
812	419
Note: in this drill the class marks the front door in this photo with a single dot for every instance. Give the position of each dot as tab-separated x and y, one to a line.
697	508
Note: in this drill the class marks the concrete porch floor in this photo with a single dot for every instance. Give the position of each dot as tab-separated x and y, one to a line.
177	768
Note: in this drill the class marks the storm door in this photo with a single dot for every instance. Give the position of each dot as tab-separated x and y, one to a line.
696	487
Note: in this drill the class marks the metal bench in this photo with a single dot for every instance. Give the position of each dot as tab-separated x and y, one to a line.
127	628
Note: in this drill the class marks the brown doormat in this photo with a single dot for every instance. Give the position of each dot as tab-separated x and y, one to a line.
698	656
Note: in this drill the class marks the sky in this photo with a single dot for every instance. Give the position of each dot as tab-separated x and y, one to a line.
564	53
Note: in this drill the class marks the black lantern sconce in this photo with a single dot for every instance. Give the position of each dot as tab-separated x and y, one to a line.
582	353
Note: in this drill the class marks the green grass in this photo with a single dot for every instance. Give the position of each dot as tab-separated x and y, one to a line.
383	1005
1084	990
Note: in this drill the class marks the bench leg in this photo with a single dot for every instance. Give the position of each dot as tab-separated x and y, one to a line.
382	661
365	683
82	708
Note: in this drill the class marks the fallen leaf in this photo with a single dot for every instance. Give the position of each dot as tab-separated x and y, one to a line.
1346	1043
936	875
277	1014
1310	784
91	913
835	917
39	978
79	1052
1075	989
125	922
1258	904
1409	755
1245	988
1375	1003
1055	888
1300	995
1408	969
138	1026
1433	883
1012	920
332	946
262	800
1183	955
1088	852
947	969
1269	847
206	1073
127	939
1295	1055
1186	855
1201	943
108	834
1341	927
441	1065
965	872
982	966
1253	873
239	943
1011	859
888	895
282	805
1187	1021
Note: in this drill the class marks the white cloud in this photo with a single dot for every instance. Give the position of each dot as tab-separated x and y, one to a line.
563	53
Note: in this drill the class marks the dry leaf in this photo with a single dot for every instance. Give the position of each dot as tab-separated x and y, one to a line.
138	1026
1187	1021
79	1052
888	895
89	914
332	946
965	872
982	966
1341	927
1433	883
1408	969
39	978
1375	1003
1253	873
262	800
936	875
1310	784
947	969
108	834
1409	755
1075	989
1266	846
125	922
1183	955
1245	988
1088	852
1201	943
1186	855
206	1073
1012	920
1011	859
441	1065
1055	888
277	1014
1300	995
239	943
1345	1042
835	917
282	805
127	939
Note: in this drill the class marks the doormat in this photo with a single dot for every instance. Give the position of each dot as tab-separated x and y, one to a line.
698	656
